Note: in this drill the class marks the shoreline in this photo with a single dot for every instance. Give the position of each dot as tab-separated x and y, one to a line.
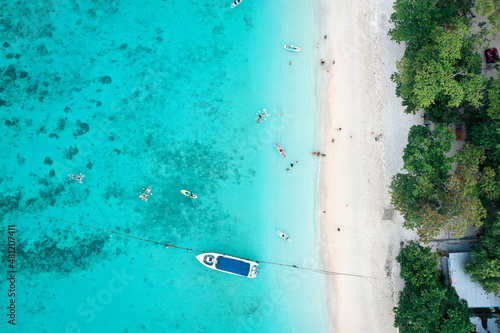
359	97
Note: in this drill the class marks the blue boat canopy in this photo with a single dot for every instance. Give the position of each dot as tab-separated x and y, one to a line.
233	266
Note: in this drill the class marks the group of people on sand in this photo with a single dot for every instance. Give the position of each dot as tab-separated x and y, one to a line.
323	62
377	138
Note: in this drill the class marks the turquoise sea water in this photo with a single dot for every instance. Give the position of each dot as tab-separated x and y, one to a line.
161	94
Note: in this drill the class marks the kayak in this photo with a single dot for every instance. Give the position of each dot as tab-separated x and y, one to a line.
292	48
283	235
280	150
189	194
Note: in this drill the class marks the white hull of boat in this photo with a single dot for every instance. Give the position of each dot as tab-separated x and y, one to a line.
228	264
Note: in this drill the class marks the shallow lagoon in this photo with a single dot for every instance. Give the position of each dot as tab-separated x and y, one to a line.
165	95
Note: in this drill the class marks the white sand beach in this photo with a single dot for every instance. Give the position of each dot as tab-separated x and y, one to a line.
358	96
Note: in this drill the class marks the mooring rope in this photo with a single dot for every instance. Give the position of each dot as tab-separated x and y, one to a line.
320	271
111	231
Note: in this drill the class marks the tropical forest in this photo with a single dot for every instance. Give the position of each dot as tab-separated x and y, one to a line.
441	78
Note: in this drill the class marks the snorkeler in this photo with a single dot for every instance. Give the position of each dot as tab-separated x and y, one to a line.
147	192
262	115
78	178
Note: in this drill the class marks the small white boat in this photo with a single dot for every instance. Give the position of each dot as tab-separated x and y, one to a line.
283	235
236	3
292	48
228	264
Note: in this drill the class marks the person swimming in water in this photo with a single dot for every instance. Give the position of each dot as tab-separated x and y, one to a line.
146	194
78	178
262	115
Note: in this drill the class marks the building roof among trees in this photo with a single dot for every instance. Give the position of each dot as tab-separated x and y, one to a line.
467	289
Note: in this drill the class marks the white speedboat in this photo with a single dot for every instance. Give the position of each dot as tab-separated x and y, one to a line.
236	3
228	264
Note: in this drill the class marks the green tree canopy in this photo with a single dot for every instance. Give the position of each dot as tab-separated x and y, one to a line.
418	266
485	265
425	157
487	136
418	193
494	99
461	198
490	9
424	304
490	183
414	21
483	125
430	197
442	72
